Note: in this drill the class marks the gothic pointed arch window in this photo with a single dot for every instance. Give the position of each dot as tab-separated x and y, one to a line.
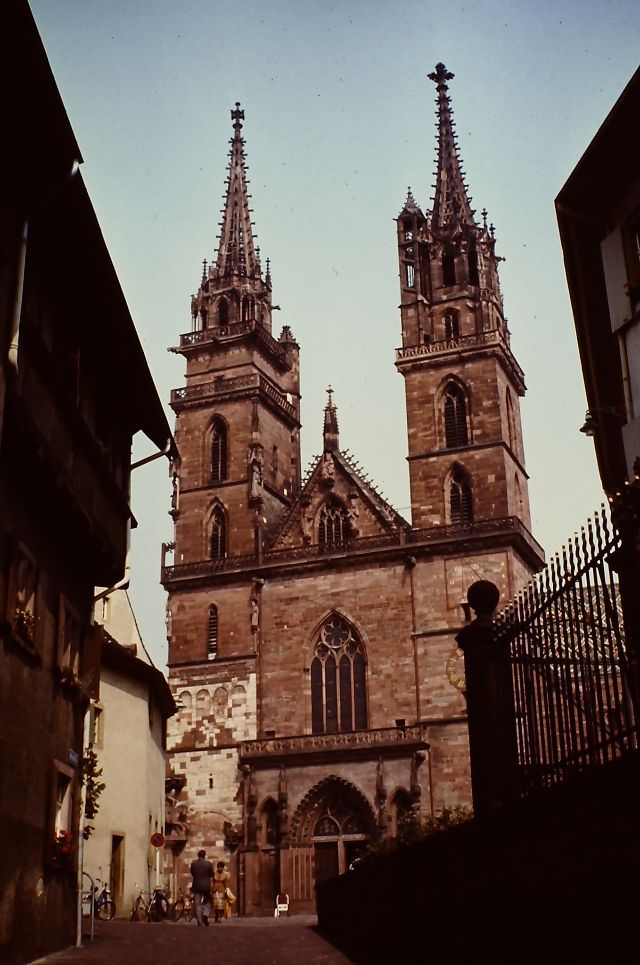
333	524
448	268
455	416
338	679
212	638
223	312
451	324
218	451
218	533
460	498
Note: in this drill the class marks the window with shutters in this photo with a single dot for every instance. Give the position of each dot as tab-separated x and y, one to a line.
338	679
455	416
460	498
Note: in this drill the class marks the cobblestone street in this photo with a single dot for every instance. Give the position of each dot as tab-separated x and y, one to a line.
267	941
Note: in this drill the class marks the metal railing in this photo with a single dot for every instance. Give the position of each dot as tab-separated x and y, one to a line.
575	696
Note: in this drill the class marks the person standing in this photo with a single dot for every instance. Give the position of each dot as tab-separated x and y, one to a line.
220	883
202	875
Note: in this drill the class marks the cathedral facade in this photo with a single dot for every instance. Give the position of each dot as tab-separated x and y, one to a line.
311	627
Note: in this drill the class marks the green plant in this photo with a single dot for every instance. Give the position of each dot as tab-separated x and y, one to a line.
410	831
94	787
447	818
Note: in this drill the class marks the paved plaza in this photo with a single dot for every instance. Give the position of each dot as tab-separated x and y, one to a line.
239	941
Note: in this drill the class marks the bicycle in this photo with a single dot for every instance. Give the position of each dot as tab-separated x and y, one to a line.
104	907
183	906
157	909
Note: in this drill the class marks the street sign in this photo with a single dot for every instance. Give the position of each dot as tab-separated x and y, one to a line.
157	839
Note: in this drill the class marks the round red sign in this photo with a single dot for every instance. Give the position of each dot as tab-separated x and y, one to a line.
157	839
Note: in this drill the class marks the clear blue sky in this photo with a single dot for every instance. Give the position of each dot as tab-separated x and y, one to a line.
339	121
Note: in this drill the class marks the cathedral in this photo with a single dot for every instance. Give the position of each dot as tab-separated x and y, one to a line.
311	627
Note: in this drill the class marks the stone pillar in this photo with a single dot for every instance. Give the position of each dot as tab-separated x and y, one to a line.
490	707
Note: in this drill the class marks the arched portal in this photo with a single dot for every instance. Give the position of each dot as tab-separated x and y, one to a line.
331	827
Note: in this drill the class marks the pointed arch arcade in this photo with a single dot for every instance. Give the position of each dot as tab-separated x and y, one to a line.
333	523
338	679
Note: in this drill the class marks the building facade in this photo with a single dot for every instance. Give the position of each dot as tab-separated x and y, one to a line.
311	627
129	743
65	461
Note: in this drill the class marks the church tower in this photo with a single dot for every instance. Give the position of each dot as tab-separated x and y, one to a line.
462	382
237	417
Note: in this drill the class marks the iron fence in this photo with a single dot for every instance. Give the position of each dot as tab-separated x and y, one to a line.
574	686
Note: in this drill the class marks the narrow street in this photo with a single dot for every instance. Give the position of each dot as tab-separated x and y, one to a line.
269	941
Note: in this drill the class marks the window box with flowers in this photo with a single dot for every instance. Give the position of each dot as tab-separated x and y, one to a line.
71	684
63	850
24	623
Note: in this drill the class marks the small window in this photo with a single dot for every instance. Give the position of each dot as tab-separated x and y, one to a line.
448	269
408	231
68	636
218	534
411	276
472	263
97	734
451	325
455	417
218	451
212	640
223	312
460	499
21	598
62	844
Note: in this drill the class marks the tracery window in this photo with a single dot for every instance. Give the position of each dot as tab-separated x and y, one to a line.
338	679
218	534
223	311
333	523
218	451
451	324
455	416
460	498
212	640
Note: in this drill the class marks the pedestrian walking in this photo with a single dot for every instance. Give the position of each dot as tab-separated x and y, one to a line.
202	875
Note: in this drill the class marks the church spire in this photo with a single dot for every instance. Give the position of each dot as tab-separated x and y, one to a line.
232	287
331	436
237	255
451	203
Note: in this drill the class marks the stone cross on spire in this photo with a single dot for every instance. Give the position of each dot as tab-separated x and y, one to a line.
451	204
